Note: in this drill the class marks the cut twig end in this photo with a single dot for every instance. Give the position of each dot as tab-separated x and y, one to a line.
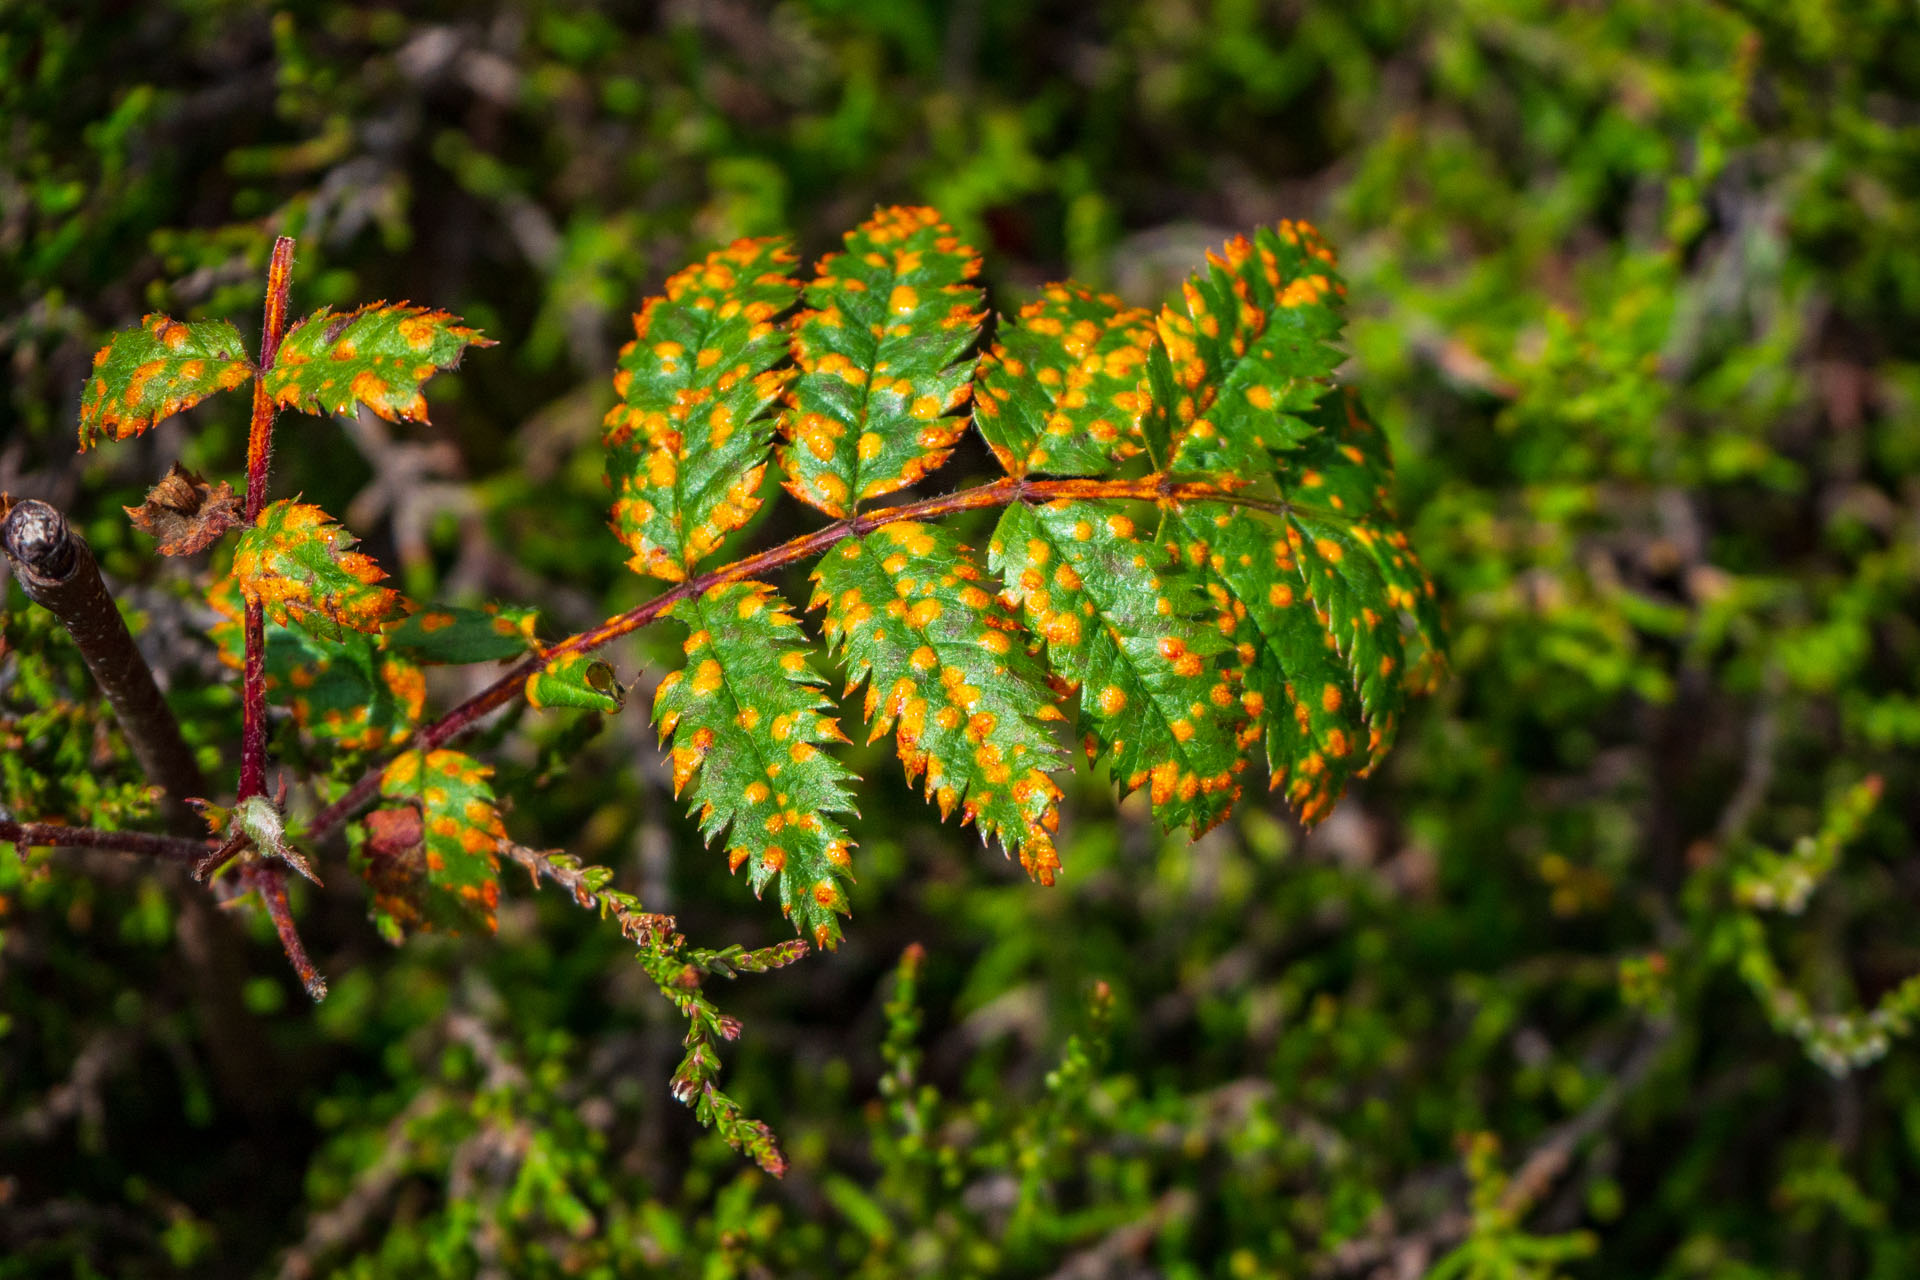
38	539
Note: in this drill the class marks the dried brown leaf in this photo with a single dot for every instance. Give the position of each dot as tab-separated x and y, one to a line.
186	513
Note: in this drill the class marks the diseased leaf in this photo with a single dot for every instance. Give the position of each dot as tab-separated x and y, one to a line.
302	569
1342	478
879	357
185	513
1332	616
745	717
379	356
1297	688
346	691
1061	392
151	373
576	680
445	634
687	444
1244	354
948	672
1126	625
448	881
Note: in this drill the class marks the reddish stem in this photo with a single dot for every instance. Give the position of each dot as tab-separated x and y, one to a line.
52	835
271	881
1154	488
268	880
273	327
253	734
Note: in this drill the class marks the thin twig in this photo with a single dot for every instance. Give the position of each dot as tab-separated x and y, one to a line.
55	568
51	835
271	882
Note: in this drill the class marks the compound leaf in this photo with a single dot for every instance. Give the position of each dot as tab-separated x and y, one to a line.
1061	393
879	356
165	366
379	356
745	718
687	444
447	880
1126	625
948	672
300	566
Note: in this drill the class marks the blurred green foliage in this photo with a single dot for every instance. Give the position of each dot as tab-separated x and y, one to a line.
1635	291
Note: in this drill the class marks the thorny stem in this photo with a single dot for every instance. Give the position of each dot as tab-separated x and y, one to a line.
1153	488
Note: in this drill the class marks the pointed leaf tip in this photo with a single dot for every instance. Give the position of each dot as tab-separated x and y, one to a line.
687	444
380	356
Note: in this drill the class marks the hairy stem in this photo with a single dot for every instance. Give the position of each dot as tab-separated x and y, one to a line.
56	569
267	880
999	493
253	735
273	327
271	882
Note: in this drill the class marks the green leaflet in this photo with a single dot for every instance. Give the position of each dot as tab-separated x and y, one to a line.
300	566
1333	618
879	357
1339	486
687	444
156	371
576	680
379	356
1245	354
745	719
448	881
1296	686
1128	631
1061	391
349	693
345	691
445	634
947	670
